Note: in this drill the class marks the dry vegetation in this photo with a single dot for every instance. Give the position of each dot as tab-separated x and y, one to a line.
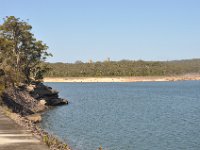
124	68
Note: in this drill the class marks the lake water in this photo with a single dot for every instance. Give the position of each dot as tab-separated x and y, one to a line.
127	116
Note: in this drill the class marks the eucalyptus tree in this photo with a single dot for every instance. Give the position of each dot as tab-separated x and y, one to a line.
20	50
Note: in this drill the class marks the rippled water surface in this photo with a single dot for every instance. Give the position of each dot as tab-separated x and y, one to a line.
128	116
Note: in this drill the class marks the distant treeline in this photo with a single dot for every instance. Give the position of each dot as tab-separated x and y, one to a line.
124	68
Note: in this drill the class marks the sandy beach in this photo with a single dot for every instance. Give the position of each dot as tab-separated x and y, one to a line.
121	79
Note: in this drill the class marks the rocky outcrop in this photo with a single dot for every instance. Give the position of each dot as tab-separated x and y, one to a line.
28	100
47	94
20	101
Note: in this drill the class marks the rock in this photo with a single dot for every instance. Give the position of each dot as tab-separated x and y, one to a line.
42	91
27	100
19	101
42	102
36	96
41	106
50	96
34	118
56	102
30	88
2	73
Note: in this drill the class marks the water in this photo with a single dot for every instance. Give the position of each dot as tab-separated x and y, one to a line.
128	116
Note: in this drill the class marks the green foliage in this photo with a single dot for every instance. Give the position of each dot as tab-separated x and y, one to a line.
2	85
124	68
20	53
39	71
51	141
46	140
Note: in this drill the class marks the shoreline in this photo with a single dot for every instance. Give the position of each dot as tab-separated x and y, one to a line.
25	105
51	141
123	79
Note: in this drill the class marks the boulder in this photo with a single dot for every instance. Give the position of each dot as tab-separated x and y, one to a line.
30	88
56	102
42	102
42	91
34	118
47	95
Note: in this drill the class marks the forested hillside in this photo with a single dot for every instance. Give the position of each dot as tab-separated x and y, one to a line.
124	68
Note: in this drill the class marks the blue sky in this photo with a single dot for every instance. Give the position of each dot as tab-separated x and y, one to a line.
119	29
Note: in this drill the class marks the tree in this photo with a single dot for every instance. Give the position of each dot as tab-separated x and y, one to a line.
78	62
20	50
